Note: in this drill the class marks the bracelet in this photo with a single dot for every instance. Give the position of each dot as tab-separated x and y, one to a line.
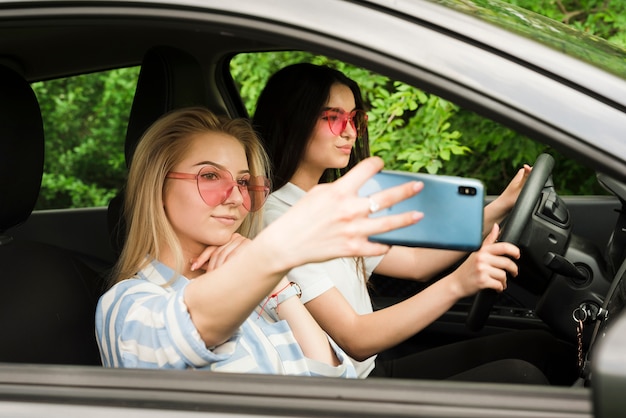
292	289
278	297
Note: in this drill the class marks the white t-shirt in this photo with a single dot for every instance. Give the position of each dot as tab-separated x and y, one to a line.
317	278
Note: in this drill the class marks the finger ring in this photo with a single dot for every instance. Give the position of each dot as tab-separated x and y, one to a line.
374	206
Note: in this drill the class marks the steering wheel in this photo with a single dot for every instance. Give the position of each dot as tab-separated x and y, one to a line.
512	232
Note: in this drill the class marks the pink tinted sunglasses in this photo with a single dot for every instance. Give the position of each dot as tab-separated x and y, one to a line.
215	185
338	120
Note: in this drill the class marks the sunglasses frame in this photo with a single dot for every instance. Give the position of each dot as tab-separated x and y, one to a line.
253	188
341	116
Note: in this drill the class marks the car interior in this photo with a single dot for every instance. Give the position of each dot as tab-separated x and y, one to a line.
50	294
58	260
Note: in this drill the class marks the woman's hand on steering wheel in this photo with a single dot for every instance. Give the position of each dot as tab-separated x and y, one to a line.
487	268
512	231
500	207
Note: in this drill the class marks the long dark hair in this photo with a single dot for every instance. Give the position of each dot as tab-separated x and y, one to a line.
288	110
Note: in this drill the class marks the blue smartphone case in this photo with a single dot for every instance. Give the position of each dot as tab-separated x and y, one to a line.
452	207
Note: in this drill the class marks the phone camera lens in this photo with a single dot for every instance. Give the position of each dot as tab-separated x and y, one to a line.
467	190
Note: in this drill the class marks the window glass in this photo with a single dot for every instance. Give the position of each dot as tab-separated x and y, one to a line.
420	132
85	120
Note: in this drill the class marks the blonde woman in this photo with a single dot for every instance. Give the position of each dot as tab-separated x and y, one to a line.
195	187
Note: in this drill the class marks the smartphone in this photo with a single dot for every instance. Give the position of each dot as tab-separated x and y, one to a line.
452	207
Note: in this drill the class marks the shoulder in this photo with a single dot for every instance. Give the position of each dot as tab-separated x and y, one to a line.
155	281
314	279
289	194
280	201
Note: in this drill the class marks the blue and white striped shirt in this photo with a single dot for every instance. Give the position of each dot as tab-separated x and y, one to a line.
142	322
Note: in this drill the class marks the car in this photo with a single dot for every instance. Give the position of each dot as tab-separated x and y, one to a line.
564	90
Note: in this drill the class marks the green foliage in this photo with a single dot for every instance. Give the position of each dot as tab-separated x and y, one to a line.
85	120
251	71
401	116
499	152
415	131
603	18
411	130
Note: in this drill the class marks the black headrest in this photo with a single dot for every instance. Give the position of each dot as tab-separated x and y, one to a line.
169	79
47	308
21	149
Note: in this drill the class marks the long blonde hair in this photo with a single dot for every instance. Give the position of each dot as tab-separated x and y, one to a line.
161	148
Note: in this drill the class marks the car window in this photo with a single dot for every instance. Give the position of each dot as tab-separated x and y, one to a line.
415	131
85	120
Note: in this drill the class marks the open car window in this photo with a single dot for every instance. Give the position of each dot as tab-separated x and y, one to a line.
85	119
413	130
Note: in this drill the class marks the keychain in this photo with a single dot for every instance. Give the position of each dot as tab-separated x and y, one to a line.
580	316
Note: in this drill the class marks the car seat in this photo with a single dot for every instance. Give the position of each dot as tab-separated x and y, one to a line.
169	79
48	296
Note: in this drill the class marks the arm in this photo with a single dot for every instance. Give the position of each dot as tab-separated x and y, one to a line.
331	220
312	339
362	336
